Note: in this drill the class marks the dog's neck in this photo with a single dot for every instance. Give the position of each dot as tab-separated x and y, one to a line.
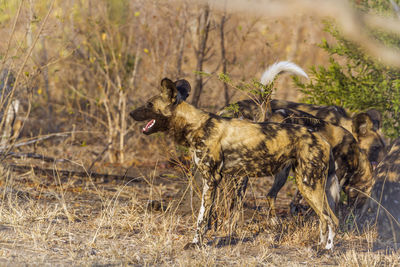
186	123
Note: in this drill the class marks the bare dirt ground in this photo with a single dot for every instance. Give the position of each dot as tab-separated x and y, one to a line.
146	215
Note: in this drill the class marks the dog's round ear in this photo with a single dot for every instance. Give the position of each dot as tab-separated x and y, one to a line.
362	124
376	118
168	89
183	88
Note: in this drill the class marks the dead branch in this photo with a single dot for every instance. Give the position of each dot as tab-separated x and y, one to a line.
354	24
223	56
69	173
99	156
181	43
202	32
34	156
3	148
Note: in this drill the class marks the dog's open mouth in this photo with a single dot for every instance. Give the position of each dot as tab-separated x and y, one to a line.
149	125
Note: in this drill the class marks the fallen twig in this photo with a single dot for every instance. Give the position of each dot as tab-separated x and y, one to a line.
69	173
34	156
99	157
3	148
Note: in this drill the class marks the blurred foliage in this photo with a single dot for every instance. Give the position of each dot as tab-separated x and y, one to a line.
353	79
118	11
7	10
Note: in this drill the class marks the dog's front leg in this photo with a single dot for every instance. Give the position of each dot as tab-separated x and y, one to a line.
204	216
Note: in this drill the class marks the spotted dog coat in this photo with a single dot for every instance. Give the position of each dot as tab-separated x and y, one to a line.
386	192
231	148
353	169
364	126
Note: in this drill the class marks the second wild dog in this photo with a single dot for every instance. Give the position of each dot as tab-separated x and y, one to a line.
353	168
385	197
364	126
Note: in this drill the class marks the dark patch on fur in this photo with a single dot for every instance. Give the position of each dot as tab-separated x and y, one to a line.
386	191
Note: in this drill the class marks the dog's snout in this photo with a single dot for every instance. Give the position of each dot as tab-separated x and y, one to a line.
137	116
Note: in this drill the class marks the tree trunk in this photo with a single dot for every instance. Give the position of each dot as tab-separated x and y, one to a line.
223	56
202	33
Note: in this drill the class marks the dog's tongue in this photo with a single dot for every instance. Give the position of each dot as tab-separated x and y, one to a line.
149	125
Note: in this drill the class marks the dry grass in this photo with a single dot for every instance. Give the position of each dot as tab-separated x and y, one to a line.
48	220
90	64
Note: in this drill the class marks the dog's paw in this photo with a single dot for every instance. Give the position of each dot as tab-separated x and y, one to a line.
191	245
321	250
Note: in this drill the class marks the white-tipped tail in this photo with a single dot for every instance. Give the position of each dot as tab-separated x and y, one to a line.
281	67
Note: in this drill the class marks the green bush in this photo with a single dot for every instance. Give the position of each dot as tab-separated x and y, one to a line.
356	81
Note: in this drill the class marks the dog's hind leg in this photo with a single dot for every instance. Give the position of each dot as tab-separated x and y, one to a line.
332	187
316	197
312	168
279	181
317	200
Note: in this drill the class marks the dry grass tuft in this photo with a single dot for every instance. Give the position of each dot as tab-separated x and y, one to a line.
53	221
80	69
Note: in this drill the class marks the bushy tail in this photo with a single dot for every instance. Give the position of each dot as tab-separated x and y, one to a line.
281	67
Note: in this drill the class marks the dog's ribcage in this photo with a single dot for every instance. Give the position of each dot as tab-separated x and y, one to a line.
232	148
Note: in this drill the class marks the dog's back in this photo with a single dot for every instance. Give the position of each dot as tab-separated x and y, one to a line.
362	125
333	114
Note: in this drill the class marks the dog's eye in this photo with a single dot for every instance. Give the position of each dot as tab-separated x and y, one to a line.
149	105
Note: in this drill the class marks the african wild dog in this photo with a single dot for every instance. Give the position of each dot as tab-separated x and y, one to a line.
232	148
385	197
364	126
353	169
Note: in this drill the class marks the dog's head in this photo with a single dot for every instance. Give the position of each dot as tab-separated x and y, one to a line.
365	129
159	109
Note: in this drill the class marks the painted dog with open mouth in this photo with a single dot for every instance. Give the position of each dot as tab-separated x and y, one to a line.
232	148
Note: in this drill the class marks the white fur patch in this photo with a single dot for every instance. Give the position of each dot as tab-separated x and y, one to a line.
333	191
196	158
282	111
281	67
331	235
200	217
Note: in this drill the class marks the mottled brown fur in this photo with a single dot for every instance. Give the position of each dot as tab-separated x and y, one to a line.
230	148
353	169
386	192
363	126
